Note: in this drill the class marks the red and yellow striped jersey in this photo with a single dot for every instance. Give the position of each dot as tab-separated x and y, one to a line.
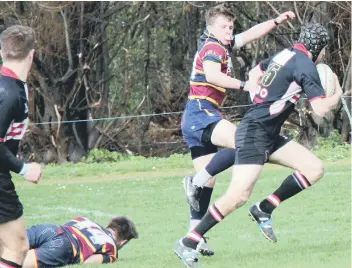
210	49
90	238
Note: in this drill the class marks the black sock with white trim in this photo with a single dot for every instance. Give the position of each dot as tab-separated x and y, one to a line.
291	186
210	219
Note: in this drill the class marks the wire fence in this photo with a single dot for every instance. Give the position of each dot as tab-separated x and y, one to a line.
163	114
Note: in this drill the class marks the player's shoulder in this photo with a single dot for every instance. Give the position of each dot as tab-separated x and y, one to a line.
7	80
303	61
285	57
212	44
10	85
9	89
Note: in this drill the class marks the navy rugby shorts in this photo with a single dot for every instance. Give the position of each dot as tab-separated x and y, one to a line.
52	247
198	114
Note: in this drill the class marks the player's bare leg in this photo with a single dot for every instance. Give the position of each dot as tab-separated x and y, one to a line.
298	157
308	170
224	134
243	181
14	243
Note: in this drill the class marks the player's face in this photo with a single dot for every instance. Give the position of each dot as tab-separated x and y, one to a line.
121	244
222	29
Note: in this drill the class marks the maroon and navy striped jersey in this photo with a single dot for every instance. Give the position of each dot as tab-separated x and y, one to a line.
90	238
209	49
287	75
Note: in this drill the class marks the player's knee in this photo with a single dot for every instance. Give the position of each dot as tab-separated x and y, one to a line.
316	171
319	171
23	246
243	198
237	200
16	252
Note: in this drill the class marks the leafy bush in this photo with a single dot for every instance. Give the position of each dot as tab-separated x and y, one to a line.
103	156
332	148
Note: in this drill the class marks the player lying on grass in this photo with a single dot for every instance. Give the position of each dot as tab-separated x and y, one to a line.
283	78
79	241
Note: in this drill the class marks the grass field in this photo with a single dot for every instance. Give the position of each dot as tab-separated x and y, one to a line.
313	228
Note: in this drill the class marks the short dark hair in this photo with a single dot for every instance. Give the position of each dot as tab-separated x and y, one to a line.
16	42
219	10
125	228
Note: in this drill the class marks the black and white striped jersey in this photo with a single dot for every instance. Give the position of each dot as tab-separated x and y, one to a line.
287	75
13	119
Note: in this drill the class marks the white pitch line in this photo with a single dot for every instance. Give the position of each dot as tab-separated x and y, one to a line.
78	211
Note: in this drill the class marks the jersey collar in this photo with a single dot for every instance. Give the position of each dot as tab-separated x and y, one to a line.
210	35
301	48
8	72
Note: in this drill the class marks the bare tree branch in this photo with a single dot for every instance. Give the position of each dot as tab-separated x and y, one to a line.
78	139
297	12
68	47
59	122
278	13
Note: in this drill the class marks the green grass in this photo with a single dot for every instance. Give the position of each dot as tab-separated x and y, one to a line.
313	228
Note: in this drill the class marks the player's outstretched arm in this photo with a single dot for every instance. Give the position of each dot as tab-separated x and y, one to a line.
261	29
323	106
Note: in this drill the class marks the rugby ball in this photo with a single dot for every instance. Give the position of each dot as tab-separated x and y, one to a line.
327	79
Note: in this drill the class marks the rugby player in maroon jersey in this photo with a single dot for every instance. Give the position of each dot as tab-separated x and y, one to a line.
278	84
203	126
79	241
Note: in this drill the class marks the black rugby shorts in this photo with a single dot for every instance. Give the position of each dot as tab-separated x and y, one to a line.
10	205
254	145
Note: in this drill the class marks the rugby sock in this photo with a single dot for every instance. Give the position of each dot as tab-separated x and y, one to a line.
221	161
201	178
211	218
291	186
193	223
8	264
204	202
